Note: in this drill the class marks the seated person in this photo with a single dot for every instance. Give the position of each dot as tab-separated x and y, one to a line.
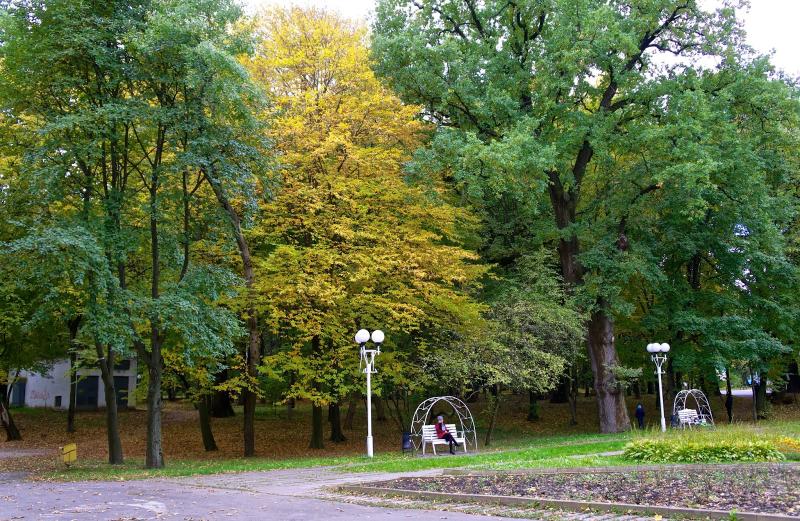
443	434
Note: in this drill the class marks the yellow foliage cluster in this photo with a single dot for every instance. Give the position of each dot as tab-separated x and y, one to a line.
351	244
786	444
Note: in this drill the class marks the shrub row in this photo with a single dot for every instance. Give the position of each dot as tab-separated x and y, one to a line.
685	450
790	447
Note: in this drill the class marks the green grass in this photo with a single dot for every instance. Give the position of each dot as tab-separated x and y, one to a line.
550	451
554	453
561	451
32	412
93	470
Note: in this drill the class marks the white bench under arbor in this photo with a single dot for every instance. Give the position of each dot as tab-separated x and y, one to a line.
688	416
429	436
423	432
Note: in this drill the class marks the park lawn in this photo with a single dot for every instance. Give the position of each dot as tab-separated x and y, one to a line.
282	442
279	436
97	470
561	451
549	451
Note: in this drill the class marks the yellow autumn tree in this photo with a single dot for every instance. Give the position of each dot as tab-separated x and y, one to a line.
350	244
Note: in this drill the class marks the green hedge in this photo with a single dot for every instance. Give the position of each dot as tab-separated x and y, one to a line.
685	450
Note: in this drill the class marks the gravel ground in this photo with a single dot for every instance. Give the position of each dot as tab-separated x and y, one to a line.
774	490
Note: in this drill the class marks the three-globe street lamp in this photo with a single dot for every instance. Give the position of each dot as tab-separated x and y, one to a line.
658	354
368	358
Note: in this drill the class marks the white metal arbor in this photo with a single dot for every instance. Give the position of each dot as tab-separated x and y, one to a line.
466	424
701	405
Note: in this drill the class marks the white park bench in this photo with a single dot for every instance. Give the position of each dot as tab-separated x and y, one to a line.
689	417
429	436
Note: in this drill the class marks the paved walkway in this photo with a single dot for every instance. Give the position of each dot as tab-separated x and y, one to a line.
277	495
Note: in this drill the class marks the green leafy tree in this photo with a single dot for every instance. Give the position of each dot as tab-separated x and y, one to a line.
533	331
580	111
119	96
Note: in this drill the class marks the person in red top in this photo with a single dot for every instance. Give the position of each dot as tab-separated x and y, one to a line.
443	434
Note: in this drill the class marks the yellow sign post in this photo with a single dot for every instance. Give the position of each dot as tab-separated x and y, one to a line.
69	453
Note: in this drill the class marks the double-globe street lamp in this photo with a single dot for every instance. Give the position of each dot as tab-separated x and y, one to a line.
368	358
658	354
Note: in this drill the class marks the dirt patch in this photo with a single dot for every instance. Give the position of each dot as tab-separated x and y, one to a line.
769	490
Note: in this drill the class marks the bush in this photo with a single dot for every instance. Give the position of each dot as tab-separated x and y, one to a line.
790	447
702	450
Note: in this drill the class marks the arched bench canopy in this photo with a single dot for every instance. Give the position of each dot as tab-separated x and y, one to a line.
702	406
466	423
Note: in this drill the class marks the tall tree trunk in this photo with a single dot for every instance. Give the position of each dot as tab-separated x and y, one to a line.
12	432
709	386
253	354
533	406
573	395
669	389
105	355
335	413
250	395
794	379
221	405
637	390
728	395
291	402
761	398
561	393
73	391
610	400
380	411
154	455
613	414
106	363
753	395
352	403
398	410
73	324
495	397
317	434
204	412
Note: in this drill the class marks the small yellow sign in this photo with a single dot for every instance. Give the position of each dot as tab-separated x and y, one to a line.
69	453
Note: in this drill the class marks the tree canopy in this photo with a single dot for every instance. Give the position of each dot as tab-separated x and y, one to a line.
592	126
495	184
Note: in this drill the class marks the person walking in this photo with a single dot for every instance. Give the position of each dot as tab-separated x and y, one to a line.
640	415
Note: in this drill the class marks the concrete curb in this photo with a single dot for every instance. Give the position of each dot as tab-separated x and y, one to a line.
629	468
564	504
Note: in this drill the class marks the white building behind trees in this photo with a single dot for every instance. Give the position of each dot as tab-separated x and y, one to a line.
50	388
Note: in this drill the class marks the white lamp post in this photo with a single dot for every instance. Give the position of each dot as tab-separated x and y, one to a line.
658	354
368	358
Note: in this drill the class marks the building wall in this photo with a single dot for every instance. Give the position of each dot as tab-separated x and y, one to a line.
41	389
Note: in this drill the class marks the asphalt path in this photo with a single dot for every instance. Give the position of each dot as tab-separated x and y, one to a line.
302	494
